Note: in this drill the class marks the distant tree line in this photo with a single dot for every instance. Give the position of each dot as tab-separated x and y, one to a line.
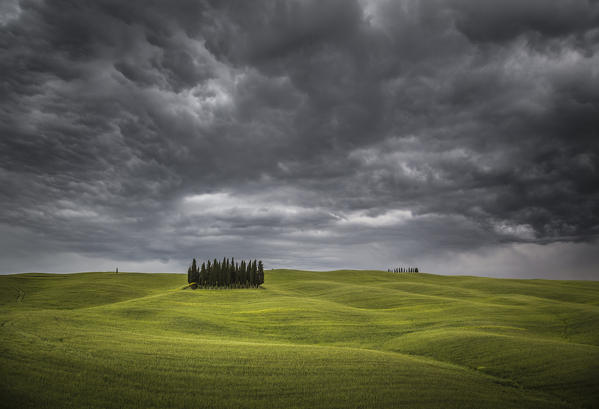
226	273
403	270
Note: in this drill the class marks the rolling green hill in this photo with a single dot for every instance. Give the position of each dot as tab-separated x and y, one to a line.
342	339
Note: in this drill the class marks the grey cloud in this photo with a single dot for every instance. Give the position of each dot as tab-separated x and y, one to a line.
362	131
493	21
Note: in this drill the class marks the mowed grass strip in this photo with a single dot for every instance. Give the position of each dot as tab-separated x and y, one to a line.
307	339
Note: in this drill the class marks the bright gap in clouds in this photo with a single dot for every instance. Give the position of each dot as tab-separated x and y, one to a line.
254	207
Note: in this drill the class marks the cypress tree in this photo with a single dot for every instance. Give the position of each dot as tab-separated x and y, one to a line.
252	268
260	273
194	271
248	273
216	268
248	269
229	273
242	273
233	272
223	273
208	273
203	274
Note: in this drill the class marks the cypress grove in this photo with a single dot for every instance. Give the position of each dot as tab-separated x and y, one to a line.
226	274
403	270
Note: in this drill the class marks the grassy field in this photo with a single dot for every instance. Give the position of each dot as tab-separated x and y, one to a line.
342	339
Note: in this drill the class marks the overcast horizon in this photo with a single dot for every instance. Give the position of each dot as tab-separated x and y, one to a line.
458	136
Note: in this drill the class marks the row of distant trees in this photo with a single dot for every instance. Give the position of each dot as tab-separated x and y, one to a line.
403	270
226	273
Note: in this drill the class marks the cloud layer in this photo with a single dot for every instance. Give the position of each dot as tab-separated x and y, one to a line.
316	134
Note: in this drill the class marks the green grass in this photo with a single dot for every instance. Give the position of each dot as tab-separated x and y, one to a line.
342	339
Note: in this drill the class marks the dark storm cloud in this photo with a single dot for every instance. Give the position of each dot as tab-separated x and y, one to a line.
310	133
489	20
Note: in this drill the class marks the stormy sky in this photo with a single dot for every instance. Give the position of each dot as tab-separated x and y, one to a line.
460	136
